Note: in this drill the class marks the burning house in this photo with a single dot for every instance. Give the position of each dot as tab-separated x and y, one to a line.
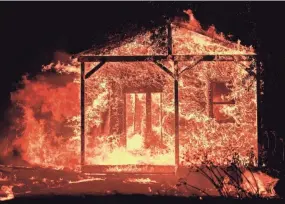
161	101
170	97
175	96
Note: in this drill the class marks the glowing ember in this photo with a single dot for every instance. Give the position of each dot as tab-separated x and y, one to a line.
88	180
140	180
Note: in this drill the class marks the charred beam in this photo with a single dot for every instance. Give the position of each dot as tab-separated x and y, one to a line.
120	58
82	106
234	57
95	69
164	69
176	109
214	57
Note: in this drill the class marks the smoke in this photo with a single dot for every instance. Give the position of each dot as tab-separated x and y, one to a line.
61	56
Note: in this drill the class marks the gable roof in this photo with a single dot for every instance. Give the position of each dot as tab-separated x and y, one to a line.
188	38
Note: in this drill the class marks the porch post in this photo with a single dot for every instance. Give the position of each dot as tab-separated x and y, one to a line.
176	102
82	111
176	105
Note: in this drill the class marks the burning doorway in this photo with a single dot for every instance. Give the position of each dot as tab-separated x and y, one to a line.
143	119
136	126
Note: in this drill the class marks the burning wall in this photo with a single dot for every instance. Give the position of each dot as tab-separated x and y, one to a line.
50	122
205	134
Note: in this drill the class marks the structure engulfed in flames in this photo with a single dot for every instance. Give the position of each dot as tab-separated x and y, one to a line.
132	103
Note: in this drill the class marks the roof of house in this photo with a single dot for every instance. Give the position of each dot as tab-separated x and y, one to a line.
188	38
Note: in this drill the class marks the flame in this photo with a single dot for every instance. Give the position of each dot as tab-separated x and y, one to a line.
129	107
8	191
259	183
254	183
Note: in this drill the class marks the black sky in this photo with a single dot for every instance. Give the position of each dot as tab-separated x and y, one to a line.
30	32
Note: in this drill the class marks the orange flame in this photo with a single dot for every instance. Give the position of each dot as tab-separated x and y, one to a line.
130	107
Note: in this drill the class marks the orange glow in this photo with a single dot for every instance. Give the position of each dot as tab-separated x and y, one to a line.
255	183
129	107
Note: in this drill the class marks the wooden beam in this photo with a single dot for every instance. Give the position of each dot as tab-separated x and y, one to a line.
82	106
165	69
176	109
120	58
234	57
95	69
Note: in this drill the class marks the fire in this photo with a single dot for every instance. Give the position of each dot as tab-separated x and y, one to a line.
50	121
8	191
254	183
263	184
140	180
129	107
136	142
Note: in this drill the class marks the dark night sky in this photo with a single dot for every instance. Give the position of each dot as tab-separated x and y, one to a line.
31	32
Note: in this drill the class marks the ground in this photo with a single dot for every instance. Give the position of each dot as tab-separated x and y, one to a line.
30	181
18	182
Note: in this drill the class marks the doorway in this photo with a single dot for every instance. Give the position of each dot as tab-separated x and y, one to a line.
143	120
